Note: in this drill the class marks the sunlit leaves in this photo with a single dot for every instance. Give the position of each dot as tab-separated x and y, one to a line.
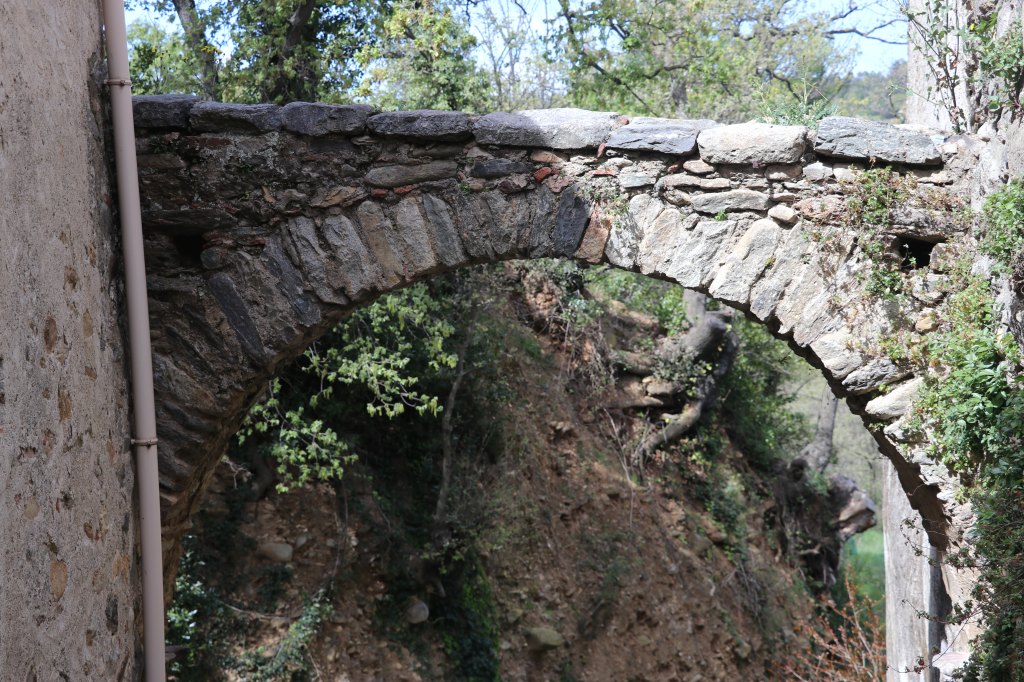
692	59
423	61
379	349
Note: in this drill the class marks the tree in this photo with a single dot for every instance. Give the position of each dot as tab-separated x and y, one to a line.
159	61
703	58
875	96
423	60
511	51
273	50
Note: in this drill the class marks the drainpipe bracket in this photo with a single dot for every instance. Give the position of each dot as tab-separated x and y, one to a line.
148	441
119	81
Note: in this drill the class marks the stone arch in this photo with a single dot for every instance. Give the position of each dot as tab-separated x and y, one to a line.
266	225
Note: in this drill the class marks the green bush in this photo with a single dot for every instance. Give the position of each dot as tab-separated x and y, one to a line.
197	621
1003	229
871	200
783	108
973	403
289	660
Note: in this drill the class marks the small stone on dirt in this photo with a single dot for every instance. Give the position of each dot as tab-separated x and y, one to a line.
417	611
543	639
279	552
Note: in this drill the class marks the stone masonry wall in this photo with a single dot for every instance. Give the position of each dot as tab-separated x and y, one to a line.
68	574
268	224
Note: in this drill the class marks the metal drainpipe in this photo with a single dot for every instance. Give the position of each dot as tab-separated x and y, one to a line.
144	408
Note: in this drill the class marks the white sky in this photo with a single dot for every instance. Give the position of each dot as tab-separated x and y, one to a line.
872	55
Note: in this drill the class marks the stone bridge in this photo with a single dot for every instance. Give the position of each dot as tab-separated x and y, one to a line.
265	225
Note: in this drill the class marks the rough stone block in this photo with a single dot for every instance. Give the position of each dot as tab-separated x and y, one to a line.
236	312
163	111
397	176
734	200
316	119
679	180
698	167
552	128
746	262
781	171
817	171
897	402
423	124
872	375
752	143
243	118
497	168
665	135
783	213
850	138
362	274
634	181
570	222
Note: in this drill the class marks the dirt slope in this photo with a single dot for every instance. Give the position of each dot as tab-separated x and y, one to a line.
662	574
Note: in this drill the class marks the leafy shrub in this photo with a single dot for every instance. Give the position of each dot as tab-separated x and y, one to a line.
789	108
1003	236
196	621
380	354
973	404
289	660
1000	63
871	200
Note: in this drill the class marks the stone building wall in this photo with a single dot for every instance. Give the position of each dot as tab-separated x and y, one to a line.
68	574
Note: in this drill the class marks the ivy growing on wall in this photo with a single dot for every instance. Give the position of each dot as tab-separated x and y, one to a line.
973	405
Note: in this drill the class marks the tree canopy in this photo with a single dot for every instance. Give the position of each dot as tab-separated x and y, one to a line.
723	59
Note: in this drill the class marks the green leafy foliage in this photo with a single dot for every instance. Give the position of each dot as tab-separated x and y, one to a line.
196	619
1000	63
380	349
1003	235
966	56
471	634
158	60
692	59
975	409
875	96
973	405
977	403
662	300
805	108
423	61
871	198
756	404
289	660
270	50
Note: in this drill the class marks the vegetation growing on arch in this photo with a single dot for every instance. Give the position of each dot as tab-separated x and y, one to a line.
973	407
